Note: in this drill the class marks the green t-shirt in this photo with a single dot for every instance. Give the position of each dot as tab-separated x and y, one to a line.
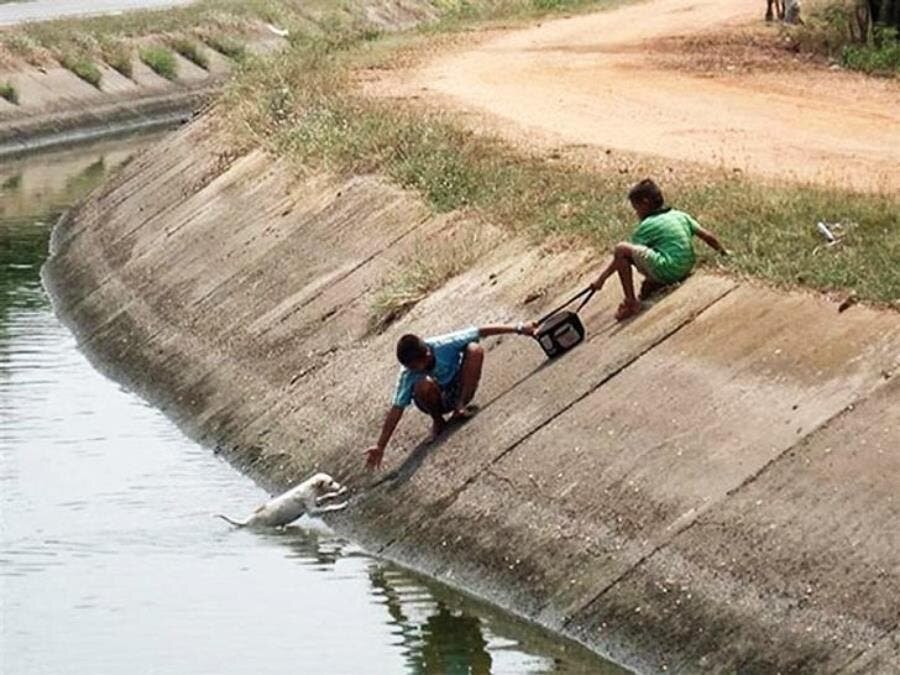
668	233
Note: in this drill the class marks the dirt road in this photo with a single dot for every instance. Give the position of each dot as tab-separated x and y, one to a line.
594	80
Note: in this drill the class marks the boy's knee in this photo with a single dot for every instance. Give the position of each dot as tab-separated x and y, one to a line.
622	250
474	351
426	389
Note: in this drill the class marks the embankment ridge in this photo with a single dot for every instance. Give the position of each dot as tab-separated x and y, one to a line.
56	107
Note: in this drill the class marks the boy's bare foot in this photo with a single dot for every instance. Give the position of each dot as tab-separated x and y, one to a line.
628	309
462	414
437	428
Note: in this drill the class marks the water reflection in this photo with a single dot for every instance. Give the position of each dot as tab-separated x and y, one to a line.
112	562
447	642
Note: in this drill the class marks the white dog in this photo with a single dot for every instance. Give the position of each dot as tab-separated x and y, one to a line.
307	497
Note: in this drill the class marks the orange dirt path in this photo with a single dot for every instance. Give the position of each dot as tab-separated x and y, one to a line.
592	79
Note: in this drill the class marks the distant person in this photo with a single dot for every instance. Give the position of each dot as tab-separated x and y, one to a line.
440	375
661	248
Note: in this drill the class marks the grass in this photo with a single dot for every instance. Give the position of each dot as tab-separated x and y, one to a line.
18	45
83	67
302	104
119	55
161	61
228	46
224	25
215	19
9	92
416	277
190	50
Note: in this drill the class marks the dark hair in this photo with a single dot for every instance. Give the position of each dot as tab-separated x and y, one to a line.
647	191
410	348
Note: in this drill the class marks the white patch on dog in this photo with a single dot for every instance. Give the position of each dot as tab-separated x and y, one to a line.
307	497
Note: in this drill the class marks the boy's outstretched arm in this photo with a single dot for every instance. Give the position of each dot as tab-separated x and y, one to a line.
521	329
375	454
710	239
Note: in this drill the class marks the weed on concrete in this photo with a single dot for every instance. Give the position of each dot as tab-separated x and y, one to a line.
227	46
161	61
83	67
9	93
191	50
416	277
119	55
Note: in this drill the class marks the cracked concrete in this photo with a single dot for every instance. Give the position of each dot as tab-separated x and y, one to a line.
711	486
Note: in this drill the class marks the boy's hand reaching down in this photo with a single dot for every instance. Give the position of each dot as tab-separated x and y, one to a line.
374	455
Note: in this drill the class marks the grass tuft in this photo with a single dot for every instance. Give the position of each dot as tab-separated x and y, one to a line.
161	61
419	275
190	50
553	5
9	92
227	45
25	47
119	55
83	67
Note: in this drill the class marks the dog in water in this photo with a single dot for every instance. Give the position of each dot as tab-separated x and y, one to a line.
310	496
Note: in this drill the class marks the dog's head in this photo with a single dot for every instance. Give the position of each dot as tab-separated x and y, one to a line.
324	484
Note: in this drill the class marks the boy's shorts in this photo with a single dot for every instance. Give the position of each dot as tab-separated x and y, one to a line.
644	258
449	396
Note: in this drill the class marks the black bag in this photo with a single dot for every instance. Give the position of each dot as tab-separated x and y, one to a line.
560	330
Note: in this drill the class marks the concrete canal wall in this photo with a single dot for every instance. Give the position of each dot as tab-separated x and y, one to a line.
713	486
56	107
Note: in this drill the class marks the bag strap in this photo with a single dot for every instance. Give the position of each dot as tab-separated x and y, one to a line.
588	293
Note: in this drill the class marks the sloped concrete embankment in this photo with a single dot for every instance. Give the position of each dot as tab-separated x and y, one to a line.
711	486
56	107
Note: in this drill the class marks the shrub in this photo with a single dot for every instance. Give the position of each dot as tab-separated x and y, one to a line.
826	28
161	61
8	91
841	30
83	67
191	51
881	57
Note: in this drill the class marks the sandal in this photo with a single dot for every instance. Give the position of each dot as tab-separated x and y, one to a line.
628	309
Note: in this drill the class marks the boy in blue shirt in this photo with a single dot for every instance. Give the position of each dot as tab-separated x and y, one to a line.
440	375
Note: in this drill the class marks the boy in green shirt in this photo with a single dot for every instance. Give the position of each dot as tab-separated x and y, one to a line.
661	248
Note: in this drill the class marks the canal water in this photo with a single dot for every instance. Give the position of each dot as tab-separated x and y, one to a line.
110	561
